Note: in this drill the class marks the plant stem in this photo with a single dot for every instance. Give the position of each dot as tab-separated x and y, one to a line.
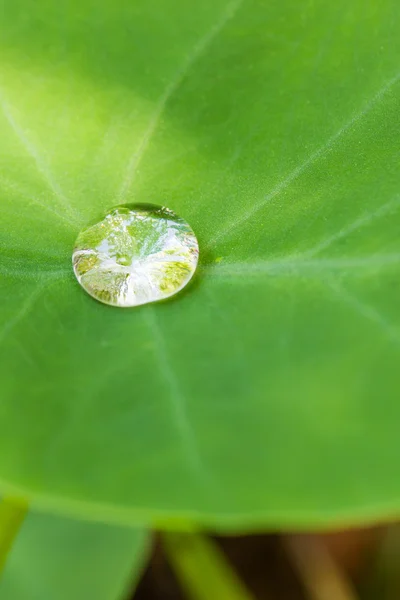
202	568
321	576
12	514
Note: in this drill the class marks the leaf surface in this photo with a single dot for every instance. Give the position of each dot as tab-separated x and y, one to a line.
267	394
55	557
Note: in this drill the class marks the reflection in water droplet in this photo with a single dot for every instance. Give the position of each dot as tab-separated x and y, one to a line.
138	253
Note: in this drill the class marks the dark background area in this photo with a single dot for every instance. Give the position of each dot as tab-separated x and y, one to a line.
297	566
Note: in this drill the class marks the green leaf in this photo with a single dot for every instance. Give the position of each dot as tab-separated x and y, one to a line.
59	558
12	515
268	393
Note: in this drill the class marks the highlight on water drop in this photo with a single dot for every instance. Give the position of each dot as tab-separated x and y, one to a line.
138	253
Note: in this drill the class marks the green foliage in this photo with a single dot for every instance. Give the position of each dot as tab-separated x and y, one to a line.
268	393
56	558
12	515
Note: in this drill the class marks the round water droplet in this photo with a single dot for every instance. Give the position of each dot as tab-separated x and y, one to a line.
138	253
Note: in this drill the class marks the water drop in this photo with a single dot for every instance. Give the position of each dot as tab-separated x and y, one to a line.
138	253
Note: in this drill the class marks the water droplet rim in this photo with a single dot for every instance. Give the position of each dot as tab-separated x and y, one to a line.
154	211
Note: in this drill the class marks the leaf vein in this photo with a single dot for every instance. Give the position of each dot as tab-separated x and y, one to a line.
198	50
299	170
33	272
41	165
177	401
296	265
24	310
366	310
362	221
16	189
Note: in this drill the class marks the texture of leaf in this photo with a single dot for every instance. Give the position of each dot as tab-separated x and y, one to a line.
268	393
57	558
